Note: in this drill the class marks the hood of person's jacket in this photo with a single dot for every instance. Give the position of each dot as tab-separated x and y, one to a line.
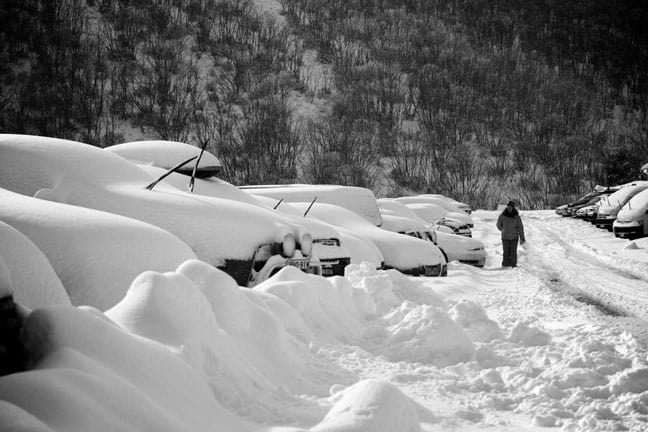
511	213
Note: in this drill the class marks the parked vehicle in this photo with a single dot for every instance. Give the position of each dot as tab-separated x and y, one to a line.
157	156
359	200
360	249
95	254
609	209
436	215
409	255
167	154
399	218
448	203
589	212
571	208
25	271
632	219
451	210
248	242
594	201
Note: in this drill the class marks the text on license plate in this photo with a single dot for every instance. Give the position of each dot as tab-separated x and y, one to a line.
301	264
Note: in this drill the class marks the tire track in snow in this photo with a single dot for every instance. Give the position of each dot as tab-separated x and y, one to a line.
574	269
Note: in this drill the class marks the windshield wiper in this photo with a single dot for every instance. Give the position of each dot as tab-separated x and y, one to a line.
171	170
195	168
309	207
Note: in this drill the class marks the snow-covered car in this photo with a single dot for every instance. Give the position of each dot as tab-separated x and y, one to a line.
26	271
168	154
437	215
409	255
359	200
452	211
248	242
157	157
609	208
399	218
453	204
632	219
96	255
360	249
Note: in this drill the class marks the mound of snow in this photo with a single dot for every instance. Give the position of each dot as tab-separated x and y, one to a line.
90	374
474	320
227	332
425	334
370	405
525	335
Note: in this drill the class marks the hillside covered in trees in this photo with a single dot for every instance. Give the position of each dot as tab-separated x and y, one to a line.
477	99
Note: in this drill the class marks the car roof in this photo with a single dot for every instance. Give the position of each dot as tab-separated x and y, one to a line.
359	200
167	154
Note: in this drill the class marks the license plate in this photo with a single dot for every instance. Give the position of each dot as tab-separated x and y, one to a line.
301	264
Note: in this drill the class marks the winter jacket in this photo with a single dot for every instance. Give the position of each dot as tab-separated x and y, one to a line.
510	224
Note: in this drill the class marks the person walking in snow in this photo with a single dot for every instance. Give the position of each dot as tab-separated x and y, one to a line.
510	225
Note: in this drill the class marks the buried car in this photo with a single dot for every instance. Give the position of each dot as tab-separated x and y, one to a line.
359	200
360	249
96	255
452	204
399	218
437	215
452	211
156	157
409	255
248	242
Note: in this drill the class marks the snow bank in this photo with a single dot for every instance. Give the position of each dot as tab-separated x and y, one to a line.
370	405
326	305
247	356
89	374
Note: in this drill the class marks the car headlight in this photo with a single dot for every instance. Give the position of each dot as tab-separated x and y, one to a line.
477	249
288	245
306	244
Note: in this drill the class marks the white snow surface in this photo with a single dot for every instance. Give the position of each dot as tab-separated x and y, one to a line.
555	344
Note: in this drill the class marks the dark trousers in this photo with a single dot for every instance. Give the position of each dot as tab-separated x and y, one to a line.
509	257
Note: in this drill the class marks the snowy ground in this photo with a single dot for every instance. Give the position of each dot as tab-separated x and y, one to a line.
558	343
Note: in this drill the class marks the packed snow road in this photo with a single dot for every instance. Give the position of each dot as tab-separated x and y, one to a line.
573	257
590	264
